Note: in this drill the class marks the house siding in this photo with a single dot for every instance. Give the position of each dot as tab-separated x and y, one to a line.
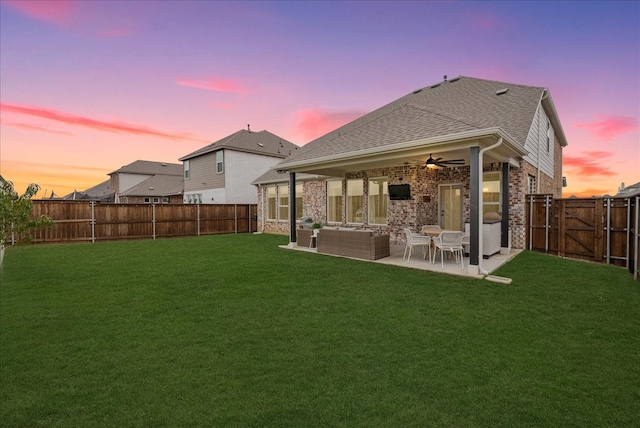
203	175
127	181
241	169
536	143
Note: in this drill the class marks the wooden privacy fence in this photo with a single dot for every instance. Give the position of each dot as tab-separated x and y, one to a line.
88	221
602	230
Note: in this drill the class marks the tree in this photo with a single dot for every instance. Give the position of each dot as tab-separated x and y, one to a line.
15	212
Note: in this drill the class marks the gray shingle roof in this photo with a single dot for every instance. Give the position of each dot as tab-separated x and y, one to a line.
158	185
261	142
273	176
151	168
450	107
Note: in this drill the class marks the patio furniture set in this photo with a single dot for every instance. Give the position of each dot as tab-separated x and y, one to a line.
433	240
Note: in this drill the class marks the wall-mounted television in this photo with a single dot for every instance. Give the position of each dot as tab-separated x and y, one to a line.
399	192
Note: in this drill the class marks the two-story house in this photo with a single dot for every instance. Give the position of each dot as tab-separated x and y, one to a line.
452	153
222	172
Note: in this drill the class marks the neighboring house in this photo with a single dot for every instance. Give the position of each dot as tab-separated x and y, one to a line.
99	193
147	182
222	172
495	143
628	191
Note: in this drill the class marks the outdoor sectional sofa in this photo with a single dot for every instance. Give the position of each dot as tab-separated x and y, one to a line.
359	244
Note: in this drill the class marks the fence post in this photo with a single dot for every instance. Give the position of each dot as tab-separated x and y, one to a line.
530	222
547	226
198	219
93	222
235	215
636	239
562	242
153	219
608	204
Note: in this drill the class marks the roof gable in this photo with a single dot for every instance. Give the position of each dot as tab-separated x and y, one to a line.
261	142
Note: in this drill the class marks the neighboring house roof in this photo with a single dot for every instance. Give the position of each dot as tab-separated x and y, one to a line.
158	185
150	168
453	110
625	192
99	192
261	142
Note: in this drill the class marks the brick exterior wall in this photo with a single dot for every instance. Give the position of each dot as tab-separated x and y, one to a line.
423	207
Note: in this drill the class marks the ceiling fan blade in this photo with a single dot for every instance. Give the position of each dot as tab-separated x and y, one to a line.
453	162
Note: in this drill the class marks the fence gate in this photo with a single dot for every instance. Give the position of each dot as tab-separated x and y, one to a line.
603	230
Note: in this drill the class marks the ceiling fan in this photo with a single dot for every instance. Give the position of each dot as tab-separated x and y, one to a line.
438	162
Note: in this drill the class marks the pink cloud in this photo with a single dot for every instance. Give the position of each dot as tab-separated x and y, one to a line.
82	17
74	120
215	84
53	11
312	123
28	127
610	127
590	163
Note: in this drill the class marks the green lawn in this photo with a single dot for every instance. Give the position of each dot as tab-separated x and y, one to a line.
234	331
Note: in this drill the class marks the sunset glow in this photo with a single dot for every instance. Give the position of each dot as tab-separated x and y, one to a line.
87	87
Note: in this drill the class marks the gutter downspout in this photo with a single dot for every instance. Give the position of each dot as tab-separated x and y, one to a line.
480	223
539	143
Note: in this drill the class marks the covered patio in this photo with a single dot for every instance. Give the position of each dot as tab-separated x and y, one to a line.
417	262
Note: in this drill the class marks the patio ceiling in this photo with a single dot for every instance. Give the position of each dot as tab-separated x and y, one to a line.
454	146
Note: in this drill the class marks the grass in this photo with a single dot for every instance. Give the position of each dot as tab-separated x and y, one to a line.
233	331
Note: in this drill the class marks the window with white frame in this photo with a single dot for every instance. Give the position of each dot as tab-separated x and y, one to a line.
186	170
548	137
271	202
378	200
299	199
283	202
334	201
490	192
147	199
165	200
531	184
355	201
156	200
219	161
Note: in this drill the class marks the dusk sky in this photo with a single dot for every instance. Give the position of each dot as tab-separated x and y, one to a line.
89	86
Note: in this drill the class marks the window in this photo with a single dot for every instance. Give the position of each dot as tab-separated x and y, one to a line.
165	200
147	199
334	201
378	199
219	163
491	192
548	137
299	193
271	202
186	169
156	200
283	202
531	184
355	201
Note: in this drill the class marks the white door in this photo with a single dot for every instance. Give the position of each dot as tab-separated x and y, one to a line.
450	206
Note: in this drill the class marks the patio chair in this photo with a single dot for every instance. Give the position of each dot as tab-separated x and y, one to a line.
416	240
449	241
